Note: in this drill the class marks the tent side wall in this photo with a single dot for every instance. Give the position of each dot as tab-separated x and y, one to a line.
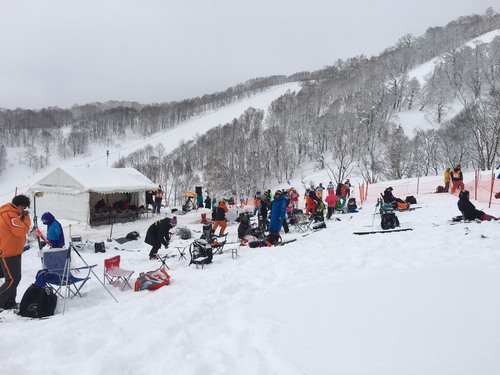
70	207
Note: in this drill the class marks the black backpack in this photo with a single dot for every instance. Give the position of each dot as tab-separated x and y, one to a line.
389	221
411	199
38	302
132	235
100	247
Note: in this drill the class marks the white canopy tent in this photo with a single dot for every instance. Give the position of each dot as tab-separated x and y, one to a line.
72	192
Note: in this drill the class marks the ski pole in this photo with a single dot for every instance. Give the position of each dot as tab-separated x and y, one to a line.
373	220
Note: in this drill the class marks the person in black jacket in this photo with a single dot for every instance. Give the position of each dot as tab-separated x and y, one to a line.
469	211
159	234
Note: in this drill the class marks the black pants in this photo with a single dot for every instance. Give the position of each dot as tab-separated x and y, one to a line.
154	250
11	268
285	226
157	205
330	212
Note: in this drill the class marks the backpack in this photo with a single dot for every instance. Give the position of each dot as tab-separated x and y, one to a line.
132	235
411	199
184	233
38	302
201	249
440	189
100	247
351	204
389	221
152	280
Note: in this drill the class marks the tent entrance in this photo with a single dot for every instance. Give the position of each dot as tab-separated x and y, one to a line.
112	208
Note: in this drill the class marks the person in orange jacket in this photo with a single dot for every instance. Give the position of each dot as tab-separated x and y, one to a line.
457	179
220	217
15	224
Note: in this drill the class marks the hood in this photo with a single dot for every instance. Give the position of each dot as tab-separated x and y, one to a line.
9	207
47	218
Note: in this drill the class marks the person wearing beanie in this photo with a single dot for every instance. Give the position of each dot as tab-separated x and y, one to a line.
55	234
15	224
159	234
469	211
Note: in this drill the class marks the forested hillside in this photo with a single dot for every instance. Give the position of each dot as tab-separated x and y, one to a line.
342	119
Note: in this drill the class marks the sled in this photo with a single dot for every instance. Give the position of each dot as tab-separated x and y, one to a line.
384	231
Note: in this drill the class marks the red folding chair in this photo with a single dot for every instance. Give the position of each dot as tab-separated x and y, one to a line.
115	274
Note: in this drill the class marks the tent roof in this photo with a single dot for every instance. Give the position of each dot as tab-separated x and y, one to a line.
75	180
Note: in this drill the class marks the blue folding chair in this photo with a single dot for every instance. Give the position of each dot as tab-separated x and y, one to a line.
59	275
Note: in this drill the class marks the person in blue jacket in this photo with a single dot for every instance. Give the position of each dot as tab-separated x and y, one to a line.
278	211
55	234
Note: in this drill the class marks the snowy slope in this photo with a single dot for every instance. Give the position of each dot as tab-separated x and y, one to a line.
14	178
416	119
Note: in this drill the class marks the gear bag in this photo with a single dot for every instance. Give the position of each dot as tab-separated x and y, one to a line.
38	302
152	280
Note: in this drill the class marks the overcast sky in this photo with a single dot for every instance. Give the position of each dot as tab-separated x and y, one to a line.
65	52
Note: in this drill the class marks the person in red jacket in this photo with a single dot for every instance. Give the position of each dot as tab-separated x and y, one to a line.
331	200
14	226
294	198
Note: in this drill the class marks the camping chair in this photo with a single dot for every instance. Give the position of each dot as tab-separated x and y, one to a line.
302	224
218	244
57	262
201	253
214	240
116	275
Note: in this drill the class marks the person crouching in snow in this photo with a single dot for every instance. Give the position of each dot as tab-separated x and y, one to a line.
468	210
159	234
55	233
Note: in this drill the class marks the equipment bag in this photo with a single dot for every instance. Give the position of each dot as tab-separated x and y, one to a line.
389	221
201	249
132	235
38	302
411	199
152	280
440	189
100	247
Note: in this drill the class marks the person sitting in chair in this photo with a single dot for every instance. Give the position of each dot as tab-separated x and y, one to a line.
469	211
55	233
100	206
388	197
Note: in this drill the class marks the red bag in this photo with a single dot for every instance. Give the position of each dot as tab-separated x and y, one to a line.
152	280
403	206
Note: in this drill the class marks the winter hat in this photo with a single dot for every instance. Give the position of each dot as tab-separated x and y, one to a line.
173	221
21	200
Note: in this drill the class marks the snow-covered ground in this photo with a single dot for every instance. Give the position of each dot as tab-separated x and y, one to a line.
419	302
